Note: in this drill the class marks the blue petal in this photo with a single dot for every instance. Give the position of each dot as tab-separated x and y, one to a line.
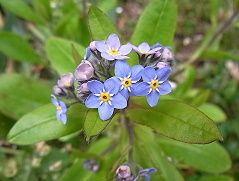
146	173
92	101
121	57
107	56
124	92
111	85
163	73
95	86
54	100
101	46
63	118
63	106
141	89
119	101
122	69
105	111
113	41
125	49
136	72
153	98
133	88
148	74
165	88
144	47
87	53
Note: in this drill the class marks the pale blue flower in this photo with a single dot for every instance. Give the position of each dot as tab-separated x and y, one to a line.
144	48
61	109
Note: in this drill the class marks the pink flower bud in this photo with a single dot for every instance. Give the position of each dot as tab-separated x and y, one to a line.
161	65
123	172
83	88
167	54
84	71
66	81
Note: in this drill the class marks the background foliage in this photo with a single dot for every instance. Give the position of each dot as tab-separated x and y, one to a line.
41	39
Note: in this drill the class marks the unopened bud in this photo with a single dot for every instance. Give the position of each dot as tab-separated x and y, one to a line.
167	54
57	91
83	88
66	81
160	65
84	71
123	172
92	46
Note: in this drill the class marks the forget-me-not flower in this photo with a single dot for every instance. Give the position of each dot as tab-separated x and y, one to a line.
154	84
144	48
111	49
61	109
127	77
105	97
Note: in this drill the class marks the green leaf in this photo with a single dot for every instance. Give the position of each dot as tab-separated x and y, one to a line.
99	24
217	178
19	94
198	156
59	52
41	125
219	55
157	23
5	125
17	48
93	124
176	120
21	9
213	112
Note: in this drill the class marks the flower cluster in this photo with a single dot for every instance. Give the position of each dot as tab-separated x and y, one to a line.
105	81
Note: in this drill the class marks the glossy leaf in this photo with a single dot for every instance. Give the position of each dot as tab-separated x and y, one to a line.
198	156
21	9
99	24
59	52
17	48
19	94
176	120
213	112
93	124
157	23
41	125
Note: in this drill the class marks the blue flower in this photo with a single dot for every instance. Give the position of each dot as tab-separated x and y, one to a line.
127	77
144	48
154	84
61	109
111	49
146	173
105	97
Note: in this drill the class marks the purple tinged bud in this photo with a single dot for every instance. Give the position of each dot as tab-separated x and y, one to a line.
66	81
167	54
92	45
123	172
83	88
84	71
57	91
160	65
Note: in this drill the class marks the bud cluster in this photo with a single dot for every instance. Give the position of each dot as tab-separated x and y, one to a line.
104	80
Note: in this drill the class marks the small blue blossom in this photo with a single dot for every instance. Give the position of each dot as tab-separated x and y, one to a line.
111	49
61	109
154	84
105	97
144	48
127	77
146	173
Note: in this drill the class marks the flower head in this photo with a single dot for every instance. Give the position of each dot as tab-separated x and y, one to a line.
127	77
123	172
154	84
146	173
105	97
66	81
61	109
111	49
84	71
144	48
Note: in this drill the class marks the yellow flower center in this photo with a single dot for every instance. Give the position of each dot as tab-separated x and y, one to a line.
154	84
126	82
113	52
104	96
58	108
68	84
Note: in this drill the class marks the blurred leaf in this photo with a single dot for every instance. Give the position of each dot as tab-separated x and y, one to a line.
219	55
5	125
157	23
43	9
17	48
217	178
21	9
107	5
200	98
93	124
19	94
41	124
154	157
198	156
176	120
59	52
213	112
99	24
